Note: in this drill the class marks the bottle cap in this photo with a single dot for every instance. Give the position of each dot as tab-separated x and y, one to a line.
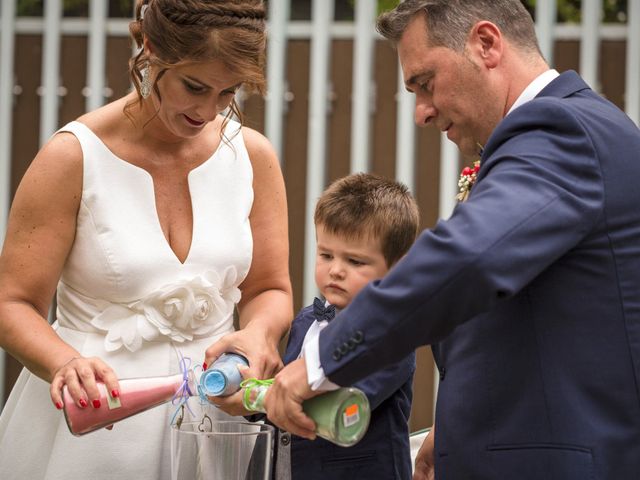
214	382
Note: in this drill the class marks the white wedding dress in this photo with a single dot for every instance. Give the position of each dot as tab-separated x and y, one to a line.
125	297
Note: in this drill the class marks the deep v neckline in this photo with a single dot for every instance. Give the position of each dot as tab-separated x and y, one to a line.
147	174
156	214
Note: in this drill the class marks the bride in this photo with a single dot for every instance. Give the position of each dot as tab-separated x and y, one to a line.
154	217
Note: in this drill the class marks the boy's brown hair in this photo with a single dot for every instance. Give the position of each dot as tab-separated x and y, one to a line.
365	204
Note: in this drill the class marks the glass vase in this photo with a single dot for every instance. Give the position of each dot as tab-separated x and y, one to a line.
212	449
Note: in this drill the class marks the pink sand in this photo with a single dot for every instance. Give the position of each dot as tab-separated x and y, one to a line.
136	396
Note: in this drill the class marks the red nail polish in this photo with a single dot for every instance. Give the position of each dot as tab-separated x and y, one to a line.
82	402
204	366
59	405
96	403
115	393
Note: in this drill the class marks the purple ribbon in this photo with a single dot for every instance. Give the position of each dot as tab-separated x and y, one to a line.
182	395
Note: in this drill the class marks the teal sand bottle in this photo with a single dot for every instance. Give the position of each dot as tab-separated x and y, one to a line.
341	416
223	378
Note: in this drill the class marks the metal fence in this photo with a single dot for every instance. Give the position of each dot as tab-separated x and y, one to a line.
372	100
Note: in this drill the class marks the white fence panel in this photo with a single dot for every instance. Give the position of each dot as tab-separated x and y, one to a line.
6	110
96	54
279	11
590	42
363	88
50	88
545	21
405	135
322	17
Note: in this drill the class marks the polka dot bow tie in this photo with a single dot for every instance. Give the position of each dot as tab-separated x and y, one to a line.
321	312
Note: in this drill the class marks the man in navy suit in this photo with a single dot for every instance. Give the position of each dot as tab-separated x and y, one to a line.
530	291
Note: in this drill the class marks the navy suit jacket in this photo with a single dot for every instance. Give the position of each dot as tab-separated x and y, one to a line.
383	453
530	292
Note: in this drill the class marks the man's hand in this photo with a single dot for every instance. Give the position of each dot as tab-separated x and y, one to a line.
284	400
424	462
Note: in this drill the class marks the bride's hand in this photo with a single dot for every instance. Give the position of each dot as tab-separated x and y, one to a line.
264	358
81	375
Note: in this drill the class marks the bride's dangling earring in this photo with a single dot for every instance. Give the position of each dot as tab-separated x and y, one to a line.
145	84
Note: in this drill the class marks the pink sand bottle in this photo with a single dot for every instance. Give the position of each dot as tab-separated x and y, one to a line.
136	395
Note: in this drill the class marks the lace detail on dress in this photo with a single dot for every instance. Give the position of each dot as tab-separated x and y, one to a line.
179	311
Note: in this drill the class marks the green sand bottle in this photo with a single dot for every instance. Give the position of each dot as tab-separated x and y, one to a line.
341	416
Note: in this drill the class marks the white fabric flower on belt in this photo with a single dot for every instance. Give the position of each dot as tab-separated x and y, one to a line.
179	311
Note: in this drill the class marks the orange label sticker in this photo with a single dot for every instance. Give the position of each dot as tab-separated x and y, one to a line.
351	410
351	415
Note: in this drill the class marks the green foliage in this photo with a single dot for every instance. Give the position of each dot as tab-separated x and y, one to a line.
385	5
569	11
614	11
29	8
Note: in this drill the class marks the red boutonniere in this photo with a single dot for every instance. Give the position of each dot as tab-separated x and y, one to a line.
467	180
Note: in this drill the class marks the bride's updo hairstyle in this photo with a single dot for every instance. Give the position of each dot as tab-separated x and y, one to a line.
187	31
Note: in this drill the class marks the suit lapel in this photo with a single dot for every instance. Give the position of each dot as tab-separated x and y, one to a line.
565	85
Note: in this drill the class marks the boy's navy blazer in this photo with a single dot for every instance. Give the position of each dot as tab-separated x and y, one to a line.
531	293
383	453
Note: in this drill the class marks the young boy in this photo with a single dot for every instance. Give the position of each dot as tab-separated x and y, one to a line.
364	225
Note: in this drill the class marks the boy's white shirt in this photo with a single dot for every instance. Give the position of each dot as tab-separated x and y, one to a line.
311	345
311	348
